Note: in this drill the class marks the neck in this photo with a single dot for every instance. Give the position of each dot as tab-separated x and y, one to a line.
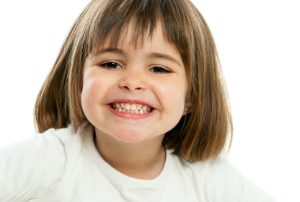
144	160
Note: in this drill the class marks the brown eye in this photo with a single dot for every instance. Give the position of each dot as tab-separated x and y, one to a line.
160	70
111	65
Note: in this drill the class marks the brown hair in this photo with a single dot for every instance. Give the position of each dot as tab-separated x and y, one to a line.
200	134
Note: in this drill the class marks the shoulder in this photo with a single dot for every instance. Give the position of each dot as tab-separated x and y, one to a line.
221	181
38	149
40	146
33	166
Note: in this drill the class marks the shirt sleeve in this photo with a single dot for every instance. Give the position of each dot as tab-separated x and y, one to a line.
226	184
30	169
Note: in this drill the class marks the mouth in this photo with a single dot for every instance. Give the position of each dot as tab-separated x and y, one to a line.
131	108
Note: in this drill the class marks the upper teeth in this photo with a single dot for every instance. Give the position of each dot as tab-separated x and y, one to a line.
132	108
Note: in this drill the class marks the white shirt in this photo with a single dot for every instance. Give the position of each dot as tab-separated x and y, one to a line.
62	166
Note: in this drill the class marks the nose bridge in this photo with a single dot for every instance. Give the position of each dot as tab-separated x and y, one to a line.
133	78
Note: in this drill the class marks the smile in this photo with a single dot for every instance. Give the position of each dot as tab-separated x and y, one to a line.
131	108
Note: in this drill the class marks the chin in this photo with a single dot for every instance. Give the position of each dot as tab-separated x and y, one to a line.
129	136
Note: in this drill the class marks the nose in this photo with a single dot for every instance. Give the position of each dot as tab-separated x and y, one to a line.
133	80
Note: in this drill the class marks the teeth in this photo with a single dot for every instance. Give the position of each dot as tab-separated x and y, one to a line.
131	108
127	107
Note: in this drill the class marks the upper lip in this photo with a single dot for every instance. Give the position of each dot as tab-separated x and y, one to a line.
132	101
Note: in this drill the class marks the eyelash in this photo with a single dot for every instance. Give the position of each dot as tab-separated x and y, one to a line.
106	65
155	69
159	69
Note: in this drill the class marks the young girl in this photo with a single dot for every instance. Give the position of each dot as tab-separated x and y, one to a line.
133	110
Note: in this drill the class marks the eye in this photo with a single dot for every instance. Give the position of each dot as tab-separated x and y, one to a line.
159	69
111	65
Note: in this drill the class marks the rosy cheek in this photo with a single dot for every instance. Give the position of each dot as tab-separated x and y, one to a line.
173	96
88	90
94	89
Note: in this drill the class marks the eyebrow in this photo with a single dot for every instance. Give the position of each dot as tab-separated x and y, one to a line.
151	55
109	50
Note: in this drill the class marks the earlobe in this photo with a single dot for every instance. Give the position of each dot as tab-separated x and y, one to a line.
187	108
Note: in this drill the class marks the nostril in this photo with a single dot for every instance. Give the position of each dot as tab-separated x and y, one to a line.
138	88
132	86
125	87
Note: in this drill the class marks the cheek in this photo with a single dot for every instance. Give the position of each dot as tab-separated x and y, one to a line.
90	93
172	96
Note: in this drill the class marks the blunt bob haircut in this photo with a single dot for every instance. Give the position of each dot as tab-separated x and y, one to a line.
204	131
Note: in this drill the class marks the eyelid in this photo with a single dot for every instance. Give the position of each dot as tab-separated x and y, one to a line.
108	61
166	69
102	63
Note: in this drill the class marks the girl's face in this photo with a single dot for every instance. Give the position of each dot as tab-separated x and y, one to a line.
134	93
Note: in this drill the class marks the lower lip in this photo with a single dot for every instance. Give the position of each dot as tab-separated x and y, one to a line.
129	115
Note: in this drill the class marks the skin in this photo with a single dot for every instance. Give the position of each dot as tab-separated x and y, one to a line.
132	143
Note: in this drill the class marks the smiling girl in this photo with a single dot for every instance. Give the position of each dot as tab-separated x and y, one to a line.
133	110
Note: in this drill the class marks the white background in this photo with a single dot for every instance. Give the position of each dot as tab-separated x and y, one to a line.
258	43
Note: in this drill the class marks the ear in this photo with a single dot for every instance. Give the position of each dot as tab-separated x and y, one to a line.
187	108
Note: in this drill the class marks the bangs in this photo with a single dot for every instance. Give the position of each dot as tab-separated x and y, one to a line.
114	17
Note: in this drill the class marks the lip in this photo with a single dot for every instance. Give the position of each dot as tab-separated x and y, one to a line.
129	115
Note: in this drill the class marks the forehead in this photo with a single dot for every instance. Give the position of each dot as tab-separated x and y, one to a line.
149	39
133	35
